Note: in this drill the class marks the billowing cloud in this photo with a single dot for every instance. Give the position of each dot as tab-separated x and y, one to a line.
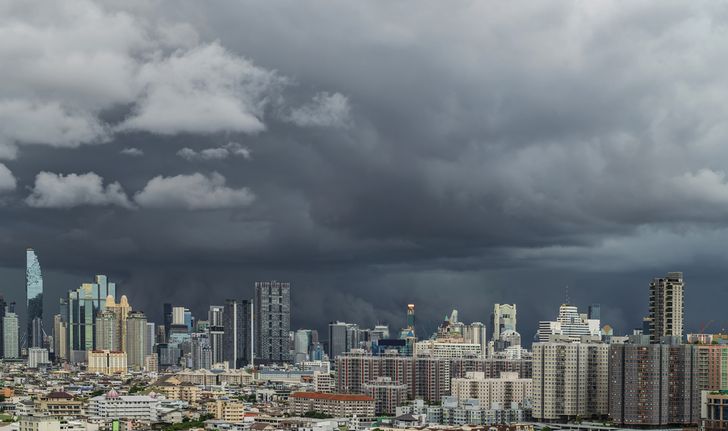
204	90
192	192
325	110
132	151
67	191
215	153
7	180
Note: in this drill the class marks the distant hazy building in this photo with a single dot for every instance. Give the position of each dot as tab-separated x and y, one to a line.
342	338
570	380
60	330
83	305
107	332
476	333
34	295
10	336
302	341
136	341
151	338
272	320
121	312
217	333
503	319
237	332
653	384
201	352
37	356
666	307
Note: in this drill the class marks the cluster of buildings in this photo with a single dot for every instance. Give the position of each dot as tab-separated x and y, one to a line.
105	364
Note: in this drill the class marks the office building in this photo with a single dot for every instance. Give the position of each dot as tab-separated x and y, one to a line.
34	296
151	338
570	380
121	312
342	338
83	305
594	312
107	331
475	333
302	342
10	336
653	384
273	321
201	352
217	333
503	319
237	332
666	307
167	316
136	339
60	344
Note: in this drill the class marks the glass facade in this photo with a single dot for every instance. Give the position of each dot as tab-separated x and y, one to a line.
34	295
84	304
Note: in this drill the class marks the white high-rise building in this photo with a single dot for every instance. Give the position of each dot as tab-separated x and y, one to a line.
178	315
569	324
502	391
37	356
570	379
10	336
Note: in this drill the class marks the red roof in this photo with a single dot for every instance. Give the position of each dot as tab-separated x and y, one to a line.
332	397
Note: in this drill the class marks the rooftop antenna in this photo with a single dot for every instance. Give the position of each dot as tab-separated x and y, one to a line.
567	294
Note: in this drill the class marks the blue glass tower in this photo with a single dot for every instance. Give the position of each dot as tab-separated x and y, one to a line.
34	295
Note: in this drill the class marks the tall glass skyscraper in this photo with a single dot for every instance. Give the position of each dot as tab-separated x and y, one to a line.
34	295
84	304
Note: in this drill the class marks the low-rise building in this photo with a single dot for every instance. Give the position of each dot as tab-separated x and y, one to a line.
226	410
338	405
59	404
114	406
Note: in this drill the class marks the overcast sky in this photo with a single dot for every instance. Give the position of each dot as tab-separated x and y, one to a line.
449	154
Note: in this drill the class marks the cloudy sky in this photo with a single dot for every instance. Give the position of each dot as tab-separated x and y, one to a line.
372	153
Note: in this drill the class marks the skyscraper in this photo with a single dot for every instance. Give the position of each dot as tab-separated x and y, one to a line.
217	333
666	307
503	319
84	304
236	323
151	338
107	332
272	320
34	296
167	310
60	331
136	339
3	309
121	312
11	338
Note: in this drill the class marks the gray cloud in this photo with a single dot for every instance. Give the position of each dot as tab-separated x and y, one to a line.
496	155
7	180
131	151
72	190
215	153
194	192
325	110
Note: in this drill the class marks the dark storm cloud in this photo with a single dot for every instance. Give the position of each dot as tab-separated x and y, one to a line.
447	155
